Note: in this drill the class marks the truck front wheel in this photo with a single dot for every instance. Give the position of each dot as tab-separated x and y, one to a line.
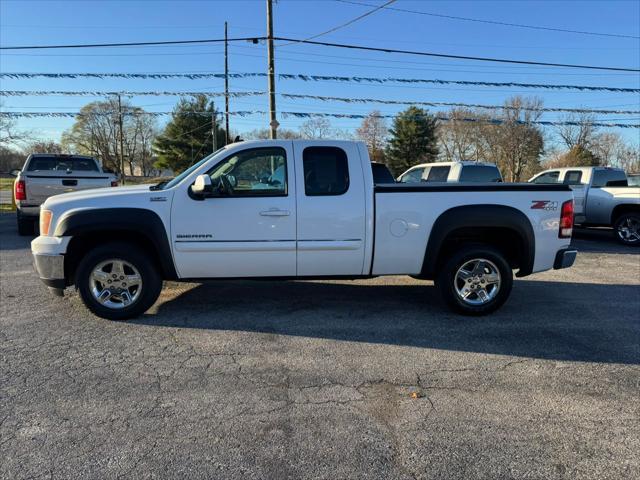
118	281
476	280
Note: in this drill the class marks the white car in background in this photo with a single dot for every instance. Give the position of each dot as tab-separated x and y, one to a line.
464	171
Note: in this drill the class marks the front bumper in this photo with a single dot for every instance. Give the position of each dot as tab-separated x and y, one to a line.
50	269
565	258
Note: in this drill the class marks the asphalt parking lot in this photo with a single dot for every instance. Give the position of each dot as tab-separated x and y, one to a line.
332	379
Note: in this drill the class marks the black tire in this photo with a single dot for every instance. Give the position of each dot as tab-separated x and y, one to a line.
26	225
151	281
626	229
447	280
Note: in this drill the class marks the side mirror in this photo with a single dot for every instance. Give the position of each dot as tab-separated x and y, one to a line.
202	186
14	173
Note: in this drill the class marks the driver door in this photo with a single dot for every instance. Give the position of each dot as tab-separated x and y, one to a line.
247	227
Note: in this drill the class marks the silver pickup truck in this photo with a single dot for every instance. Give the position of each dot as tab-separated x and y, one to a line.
45	174
602	198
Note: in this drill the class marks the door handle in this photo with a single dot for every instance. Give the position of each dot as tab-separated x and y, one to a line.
275	213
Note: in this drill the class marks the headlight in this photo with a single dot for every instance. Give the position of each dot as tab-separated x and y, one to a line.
45	221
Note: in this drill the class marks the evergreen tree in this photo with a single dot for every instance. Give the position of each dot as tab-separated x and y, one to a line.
187	137
412	140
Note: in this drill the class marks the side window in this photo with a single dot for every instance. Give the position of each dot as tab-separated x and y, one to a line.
258	172
413	176
573	177
438	174
549	177
326	171
480	173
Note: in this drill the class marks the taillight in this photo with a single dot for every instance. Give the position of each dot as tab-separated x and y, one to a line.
19	190
114	183
566	220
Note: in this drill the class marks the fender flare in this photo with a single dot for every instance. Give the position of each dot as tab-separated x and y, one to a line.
480	216
141	221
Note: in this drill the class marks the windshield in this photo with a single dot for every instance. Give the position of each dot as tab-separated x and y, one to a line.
172	183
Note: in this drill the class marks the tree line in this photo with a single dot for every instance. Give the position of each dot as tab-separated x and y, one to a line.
516	143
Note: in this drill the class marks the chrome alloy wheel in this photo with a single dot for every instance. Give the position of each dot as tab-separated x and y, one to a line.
477	281
629	230
115	283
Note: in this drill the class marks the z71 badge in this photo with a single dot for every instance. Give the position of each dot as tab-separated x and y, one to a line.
544	205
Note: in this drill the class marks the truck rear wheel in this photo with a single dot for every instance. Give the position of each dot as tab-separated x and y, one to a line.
117	281
26	225
476	280
627	229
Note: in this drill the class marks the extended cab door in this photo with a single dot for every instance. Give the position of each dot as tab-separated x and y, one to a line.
331	209
246	230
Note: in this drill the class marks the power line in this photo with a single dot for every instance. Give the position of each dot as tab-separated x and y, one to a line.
352	21
316	78
132	44
457	57
323	98
324	44
245	113
495	22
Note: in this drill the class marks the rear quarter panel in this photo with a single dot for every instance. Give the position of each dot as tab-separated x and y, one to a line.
404	221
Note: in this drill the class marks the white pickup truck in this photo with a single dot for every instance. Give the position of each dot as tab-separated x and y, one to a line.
47	174
463	171
299	210
602	199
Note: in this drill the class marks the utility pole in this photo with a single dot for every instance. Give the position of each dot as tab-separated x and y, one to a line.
121	139
273	124
226	87
214	127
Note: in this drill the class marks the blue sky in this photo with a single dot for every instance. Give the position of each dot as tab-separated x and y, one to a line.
55	22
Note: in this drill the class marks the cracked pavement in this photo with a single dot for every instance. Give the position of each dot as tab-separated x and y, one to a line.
331	379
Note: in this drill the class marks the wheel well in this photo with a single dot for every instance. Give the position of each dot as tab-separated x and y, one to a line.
620	209
507	241
81	244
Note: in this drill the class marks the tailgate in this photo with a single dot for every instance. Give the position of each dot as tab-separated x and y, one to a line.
579	200
41	186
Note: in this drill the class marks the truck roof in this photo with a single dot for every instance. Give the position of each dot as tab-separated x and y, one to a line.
459	162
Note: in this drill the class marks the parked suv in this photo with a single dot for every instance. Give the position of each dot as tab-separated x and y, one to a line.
48	174
466	171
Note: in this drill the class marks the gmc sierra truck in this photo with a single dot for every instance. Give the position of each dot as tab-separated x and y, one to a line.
47	174
603	198
299	210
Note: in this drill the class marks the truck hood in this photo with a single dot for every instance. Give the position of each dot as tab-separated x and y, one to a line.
108	196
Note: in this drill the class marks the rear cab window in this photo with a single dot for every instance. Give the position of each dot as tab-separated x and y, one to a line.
438	174
573	177
57	164
480	174
326	171
609	178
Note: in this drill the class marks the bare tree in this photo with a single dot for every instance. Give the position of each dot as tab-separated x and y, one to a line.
96	133
458	137
9	134
606	146
373	132
44	146
576	130
315	128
